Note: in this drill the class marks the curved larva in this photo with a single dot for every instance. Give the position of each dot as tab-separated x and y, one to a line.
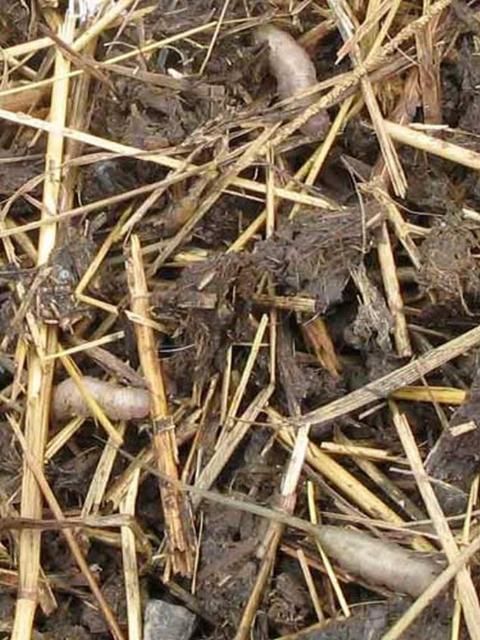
294	72
379	562
117	402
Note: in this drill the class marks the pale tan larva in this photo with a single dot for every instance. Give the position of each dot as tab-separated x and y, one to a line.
378	561
118	402
294	72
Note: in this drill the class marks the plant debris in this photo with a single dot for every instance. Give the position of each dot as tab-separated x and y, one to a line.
239	320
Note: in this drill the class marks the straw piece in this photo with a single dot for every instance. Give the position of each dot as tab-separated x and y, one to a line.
466	589
442	395
429	70
348	484
317	336
392	289
177	511
37	471
230	442
389	153
381	388
130	565
98	485
39	375
448	150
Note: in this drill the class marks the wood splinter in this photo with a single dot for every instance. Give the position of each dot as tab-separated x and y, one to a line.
177	511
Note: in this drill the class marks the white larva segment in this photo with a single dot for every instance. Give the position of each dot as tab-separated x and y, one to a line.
117	401
294	72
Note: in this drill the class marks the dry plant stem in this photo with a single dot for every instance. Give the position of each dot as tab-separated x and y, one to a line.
93	347
357	451
101	24
466	533
365	32
335	584
401	228
130	566
447	150
392	289
384	247
467	594
8	514
429	71
231	441
218	26
302	560
287	303
153	46
37	471
195	453
348	484
113	237
386	24
389	153
389	487
60	439
94	522
273	535
244	628
389	273
242	385
269	231
176	507
317	335
381	388
28	47
317	161
79	120
441	395
99	482
40	375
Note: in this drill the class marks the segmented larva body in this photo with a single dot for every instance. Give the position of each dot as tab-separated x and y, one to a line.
117	402
294	72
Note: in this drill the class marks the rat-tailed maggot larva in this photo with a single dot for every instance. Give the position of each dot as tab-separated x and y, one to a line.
294	72
118	402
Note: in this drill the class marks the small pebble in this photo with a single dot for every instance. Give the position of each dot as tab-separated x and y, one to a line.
165	621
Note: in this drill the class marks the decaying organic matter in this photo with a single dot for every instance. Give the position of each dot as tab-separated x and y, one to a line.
239	344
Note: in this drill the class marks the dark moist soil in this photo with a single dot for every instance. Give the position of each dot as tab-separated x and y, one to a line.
209	302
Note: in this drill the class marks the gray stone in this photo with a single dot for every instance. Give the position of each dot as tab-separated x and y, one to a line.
165	621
